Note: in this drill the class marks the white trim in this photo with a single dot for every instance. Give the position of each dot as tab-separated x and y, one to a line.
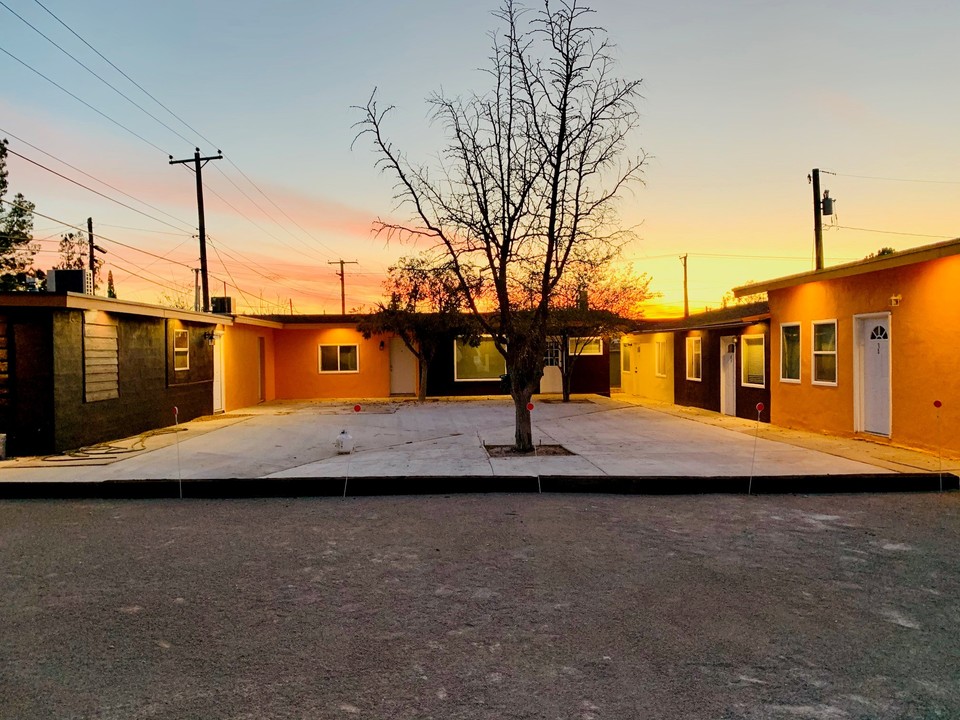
699	353
858	322
337	371
660	353
184	352
743	360
799	378
835	352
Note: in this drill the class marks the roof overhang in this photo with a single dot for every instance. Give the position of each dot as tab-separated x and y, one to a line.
81	301
921	254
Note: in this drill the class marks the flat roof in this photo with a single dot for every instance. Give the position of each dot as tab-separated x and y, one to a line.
924	253
81	301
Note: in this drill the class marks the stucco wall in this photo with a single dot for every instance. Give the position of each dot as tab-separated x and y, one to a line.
241	360
297	364
642	380
924	337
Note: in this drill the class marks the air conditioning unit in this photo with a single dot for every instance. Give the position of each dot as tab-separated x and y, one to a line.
78	281
221	305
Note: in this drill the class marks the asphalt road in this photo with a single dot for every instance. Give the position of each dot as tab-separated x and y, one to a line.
573	606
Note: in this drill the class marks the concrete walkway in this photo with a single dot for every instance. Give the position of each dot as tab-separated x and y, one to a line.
617	437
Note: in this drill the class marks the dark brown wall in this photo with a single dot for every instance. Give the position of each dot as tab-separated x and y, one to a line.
147	395
591	373
27	417
706	393
440	380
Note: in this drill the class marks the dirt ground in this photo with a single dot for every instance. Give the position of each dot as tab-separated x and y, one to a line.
554	607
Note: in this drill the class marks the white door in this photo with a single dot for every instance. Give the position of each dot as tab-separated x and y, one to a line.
403	369
875	381
218	373
728	375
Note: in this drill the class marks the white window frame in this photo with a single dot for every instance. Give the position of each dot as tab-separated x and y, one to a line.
660	358
743	360
554	353
814	353
799	327
586	345
179	353
483	379
698	353
338	371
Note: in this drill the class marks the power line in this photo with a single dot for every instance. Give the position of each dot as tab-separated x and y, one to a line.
893	232
257	205
81	100
102	182
181	120
86	187
100	78
138	85
893	179
257	187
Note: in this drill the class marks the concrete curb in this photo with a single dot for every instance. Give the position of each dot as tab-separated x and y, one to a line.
525	484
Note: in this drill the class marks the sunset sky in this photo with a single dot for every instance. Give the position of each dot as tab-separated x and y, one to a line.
741	100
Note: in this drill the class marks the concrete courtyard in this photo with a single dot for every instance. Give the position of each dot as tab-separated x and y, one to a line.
399	440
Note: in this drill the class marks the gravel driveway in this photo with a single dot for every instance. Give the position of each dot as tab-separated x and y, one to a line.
496	607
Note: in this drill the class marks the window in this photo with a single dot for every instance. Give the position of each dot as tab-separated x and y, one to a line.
752	370
339	359
825	352
483	362
790	352
585	346
660	359
181	350
693	359
625	356
552	356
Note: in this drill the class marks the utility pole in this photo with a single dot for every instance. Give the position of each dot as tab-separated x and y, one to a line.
817	220
343	291
197	166
196	289
686	301
93	262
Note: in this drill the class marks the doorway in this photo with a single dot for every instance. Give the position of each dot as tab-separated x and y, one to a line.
403	368
728	375
218	389
873	373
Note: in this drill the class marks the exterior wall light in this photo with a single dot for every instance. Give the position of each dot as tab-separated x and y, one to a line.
210	338
895	300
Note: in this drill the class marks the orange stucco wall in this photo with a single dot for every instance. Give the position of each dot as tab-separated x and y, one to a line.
298	373
642	379
924	352
241	360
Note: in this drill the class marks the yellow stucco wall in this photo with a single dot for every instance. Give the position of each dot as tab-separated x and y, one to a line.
641	379
297	368
924	355
241	359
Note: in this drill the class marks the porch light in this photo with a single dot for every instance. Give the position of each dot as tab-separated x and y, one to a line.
210	338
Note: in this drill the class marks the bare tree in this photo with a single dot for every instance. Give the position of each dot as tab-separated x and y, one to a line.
528	179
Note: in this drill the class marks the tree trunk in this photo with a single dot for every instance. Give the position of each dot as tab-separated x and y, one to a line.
423	367
523	439
566	368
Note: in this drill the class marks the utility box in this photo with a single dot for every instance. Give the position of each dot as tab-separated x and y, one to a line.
221	305
78	281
